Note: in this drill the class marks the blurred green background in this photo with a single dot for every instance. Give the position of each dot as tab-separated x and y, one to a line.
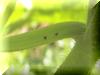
20	16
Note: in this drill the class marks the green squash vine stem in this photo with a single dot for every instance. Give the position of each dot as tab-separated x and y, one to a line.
43	36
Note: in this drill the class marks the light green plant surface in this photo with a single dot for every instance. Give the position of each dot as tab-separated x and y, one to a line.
43	36
63	24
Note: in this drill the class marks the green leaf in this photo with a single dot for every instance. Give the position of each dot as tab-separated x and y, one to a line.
84	55
79	61
8	11
19	23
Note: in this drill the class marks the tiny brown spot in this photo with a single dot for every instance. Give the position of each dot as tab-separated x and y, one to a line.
45	37
56	34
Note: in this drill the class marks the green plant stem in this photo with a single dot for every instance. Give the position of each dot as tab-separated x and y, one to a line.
44	36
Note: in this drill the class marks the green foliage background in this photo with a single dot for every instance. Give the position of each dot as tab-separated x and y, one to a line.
18	17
